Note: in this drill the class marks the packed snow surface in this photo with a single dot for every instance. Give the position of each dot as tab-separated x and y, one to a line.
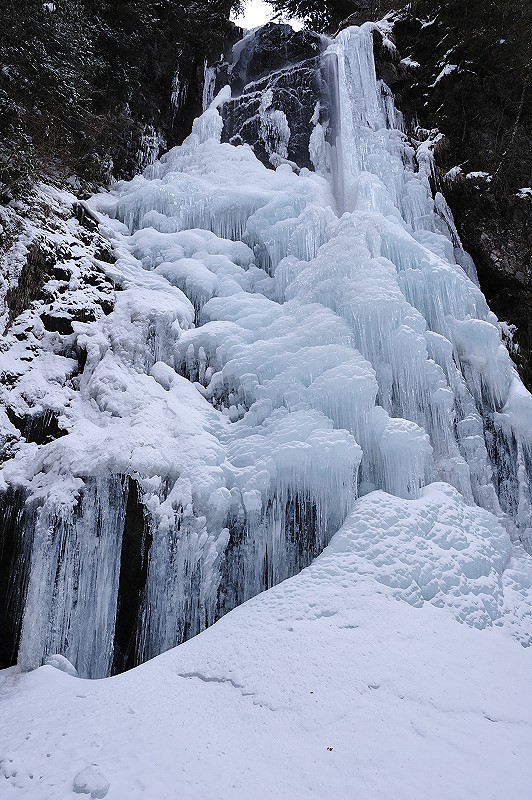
281	342
325	686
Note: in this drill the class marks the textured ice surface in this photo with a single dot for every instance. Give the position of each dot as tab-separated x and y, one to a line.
437	549
61	663
266	362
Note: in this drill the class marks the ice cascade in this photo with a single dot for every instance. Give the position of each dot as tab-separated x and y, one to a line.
283	342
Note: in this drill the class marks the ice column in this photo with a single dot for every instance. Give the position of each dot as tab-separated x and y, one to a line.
73	584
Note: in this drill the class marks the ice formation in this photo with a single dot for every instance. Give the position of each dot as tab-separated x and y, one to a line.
282	342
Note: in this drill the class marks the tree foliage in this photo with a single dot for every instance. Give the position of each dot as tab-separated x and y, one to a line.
484	106
81	79
326	17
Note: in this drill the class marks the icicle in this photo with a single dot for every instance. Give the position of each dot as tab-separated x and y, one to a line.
72	593
209	84
179	93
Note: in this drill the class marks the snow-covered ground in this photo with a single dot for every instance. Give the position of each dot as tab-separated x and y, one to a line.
324	687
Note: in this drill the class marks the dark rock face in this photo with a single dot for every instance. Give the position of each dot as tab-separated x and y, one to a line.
497	231
188	88
278	88
13	575
38	268
39	428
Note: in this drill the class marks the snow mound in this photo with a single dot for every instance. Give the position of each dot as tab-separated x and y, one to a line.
436	549
91	781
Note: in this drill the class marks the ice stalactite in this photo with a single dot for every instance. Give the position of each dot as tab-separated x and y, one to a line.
282	342
73	585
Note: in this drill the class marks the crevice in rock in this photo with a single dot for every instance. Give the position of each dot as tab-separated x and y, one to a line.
57	323
39	428
13	575
136	543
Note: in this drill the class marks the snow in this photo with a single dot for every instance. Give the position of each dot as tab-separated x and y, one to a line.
448	69
453	173
61	663
324	686
483	176
91	781
410	63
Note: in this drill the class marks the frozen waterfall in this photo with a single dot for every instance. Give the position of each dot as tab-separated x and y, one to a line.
284	342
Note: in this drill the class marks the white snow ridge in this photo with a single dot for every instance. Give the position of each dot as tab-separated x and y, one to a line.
304	390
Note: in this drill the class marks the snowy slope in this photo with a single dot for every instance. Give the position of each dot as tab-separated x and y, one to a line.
325	687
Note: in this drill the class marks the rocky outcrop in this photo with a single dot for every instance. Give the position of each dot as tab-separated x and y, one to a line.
277	89
497	231
52	281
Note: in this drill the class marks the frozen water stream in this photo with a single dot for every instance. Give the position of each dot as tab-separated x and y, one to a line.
266	363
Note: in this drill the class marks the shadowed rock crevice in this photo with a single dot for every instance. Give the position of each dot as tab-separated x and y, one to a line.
136	543
40	428
13	575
